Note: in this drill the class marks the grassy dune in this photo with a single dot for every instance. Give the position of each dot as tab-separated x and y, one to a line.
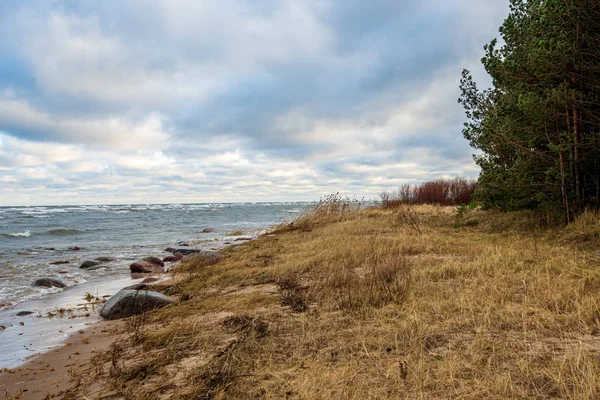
411	302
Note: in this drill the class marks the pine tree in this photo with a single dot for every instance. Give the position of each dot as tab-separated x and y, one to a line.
537	127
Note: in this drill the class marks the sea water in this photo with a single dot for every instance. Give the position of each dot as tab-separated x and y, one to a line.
31	238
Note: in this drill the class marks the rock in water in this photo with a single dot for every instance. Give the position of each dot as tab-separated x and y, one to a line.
173	258
89	264
59	262
208	230
147	265
154	260
105	259
132	302
48	282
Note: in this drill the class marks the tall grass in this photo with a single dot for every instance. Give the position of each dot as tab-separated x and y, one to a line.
444	192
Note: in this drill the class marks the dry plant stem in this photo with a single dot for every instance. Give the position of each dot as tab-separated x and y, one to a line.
399	303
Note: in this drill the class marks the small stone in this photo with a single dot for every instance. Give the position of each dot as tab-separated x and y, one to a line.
89	264
24	313
59	262
48	282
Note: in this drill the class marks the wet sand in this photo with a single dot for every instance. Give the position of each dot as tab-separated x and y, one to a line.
48	375
53	320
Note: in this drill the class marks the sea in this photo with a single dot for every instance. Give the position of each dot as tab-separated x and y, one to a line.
32	239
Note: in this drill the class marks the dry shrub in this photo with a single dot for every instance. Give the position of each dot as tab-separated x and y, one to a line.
247	325
382	281
407	217
445	192
292	293
329	209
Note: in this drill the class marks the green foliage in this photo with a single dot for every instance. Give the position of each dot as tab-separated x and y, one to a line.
538	126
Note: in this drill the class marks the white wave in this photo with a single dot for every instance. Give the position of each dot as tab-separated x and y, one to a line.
20	234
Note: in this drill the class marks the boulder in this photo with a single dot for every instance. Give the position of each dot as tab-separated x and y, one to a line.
74	248
105	259
89	264
50	249
132	302
147	265
208	230
48	282
154	260
174	257
59	262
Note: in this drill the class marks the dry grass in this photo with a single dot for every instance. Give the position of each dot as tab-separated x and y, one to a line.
410	303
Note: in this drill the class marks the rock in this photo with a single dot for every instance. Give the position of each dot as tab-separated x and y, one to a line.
147	265
132	302
208	230
50	249
64	271
242	238
74	248
23	253
174	257
89	264
150	280
24	313
105	259
59	262
136	286
48	282
154	260
194	250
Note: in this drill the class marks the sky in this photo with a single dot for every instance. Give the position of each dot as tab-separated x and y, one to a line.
160	101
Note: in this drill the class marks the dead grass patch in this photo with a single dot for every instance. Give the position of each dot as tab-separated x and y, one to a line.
387	306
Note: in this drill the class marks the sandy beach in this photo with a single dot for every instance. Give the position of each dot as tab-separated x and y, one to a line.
48	375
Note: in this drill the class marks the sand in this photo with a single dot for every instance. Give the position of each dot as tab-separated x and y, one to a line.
48	375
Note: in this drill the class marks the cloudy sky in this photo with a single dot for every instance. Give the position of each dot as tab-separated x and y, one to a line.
152	101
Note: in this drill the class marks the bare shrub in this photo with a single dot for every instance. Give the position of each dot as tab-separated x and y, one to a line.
446	192
406	216
292	293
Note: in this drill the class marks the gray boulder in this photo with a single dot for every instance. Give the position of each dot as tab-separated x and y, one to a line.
89	264
132	302
48	282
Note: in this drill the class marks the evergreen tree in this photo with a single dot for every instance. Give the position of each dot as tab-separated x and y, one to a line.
538	126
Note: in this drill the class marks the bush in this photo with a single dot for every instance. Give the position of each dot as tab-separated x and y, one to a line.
445	192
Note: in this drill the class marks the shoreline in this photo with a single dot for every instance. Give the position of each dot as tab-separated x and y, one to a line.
47	375
53	318
55	315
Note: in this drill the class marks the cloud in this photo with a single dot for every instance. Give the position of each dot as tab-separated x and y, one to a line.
179	100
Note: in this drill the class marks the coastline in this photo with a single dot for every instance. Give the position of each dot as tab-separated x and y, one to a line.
47	375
